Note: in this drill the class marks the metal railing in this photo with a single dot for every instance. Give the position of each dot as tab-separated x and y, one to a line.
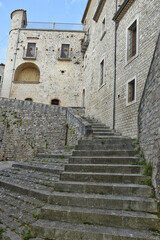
55	26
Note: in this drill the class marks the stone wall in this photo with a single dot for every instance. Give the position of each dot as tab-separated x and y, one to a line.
149	119
27	128
77	127
2	66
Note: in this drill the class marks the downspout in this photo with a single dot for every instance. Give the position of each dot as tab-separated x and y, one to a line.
115	73
14	63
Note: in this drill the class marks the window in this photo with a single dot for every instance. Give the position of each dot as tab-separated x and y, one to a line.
54	102
29	99
103	29
0	79
101	72
31	50
131	91
65	51
132	40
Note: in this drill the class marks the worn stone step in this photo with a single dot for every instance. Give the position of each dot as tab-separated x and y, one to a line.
101	128
141	204
104	153
67	231
102	160
105	133
104	188
55	170
53	155
36	193
103	177
104	147
108	168
109	218
112	141
108	137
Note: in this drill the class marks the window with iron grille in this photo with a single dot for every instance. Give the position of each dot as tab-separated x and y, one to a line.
102	72
131	91
31	50
65	51
132	40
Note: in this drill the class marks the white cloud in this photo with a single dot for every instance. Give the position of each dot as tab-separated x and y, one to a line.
0	4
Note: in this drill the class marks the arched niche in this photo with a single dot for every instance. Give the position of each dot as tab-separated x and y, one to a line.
27	73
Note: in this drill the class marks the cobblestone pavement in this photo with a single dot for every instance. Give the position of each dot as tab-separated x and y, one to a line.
24	189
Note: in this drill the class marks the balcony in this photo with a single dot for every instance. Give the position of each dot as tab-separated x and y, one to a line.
30	54
85	43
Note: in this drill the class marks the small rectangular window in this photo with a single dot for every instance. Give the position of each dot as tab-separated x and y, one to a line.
31	50
65	51
102	72
0	79
132	40
131	91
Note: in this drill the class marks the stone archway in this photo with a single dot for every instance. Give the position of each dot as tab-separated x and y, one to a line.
27	73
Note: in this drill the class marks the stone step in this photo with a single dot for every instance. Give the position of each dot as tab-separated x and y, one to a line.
98	125
104	188
109	218
114	202
102	160
101	128
104	177
104	147
104	153
31	192
108	137
67	231
105	133
112	141
53	155
104	168
55	170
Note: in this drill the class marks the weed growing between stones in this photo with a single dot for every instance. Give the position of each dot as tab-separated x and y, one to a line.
1	232
26	233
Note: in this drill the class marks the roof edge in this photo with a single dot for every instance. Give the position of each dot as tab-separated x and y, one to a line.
122	10
86	10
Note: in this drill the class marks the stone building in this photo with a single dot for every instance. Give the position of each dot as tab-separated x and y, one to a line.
43	65
118	57
105	72
2	66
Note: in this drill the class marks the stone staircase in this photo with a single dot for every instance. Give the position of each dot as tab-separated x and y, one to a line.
101	194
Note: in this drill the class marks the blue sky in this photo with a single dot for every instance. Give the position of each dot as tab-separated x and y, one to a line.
70	11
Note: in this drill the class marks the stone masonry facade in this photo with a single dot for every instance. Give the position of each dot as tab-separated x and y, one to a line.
59	78
27	128
149	118
2	66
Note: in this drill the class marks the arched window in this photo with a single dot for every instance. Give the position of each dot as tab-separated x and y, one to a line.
54	102
29	99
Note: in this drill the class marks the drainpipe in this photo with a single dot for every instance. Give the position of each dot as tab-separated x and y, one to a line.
115	73
14	63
